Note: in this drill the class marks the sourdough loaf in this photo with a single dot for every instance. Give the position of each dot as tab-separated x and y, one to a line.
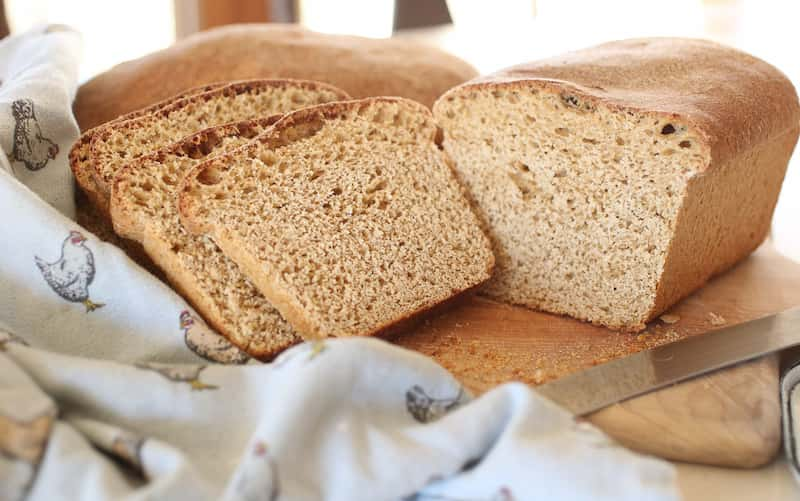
345	216
618	179
118	143
360	66
144	209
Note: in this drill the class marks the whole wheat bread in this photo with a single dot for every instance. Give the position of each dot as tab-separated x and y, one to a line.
618	179
144	208
345	216
118	143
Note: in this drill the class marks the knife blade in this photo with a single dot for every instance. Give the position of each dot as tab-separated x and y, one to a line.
624	378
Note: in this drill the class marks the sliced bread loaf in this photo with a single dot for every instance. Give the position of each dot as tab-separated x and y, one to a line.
618	179
346	217
118	143
144	208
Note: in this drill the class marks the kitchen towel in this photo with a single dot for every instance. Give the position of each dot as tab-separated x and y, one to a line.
790	412
112	387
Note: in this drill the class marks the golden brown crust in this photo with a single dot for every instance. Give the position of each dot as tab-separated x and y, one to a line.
731	98
360	66
725	216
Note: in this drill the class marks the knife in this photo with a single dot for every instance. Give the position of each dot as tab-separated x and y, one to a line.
624	378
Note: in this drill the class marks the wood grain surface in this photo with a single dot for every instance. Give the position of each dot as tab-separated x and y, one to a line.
731	417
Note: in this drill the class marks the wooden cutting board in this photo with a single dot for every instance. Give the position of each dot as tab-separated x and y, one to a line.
730	417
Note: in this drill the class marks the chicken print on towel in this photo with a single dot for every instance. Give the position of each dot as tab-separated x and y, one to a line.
425	408
30	145
71	275
189	374
208	344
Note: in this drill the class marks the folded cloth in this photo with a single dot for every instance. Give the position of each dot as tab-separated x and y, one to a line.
341	420
38	78
110	386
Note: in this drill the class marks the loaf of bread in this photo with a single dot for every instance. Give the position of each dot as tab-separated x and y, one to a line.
144	209
615	180
120	142
345	216
361	66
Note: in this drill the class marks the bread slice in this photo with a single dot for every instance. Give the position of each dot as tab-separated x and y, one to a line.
618	179
346	217
79	154
144	208
119	143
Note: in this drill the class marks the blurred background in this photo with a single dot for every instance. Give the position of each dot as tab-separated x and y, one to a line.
490	35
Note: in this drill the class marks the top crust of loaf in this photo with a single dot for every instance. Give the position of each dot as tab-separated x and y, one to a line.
732	99
362	67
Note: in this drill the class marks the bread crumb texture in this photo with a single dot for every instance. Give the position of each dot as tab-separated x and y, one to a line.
346	216
144	207
580	200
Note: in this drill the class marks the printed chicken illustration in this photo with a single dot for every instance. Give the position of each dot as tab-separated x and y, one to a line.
207	343
30	145
425	408
180	374
71	275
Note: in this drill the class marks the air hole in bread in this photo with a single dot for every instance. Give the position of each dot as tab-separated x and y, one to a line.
209	176
377	186
521	166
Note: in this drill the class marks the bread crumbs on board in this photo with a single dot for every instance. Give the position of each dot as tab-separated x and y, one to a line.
669	319
716	319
